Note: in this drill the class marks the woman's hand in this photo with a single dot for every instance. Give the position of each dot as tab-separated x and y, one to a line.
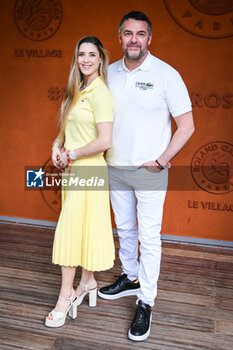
56	154
63	158
150	166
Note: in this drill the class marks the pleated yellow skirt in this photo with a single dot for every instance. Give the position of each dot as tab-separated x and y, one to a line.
83	236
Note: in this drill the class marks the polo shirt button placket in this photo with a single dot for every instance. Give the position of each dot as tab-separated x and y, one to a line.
128	81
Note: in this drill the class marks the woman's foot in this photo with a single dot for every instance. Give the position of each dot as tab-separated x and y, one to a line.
57	317
63	303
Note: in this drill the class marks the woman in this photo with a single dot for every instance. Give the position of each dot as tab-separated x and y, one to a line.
83	235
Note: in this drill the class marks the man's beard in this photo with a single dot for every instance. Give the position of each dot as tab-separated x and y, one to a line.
135	58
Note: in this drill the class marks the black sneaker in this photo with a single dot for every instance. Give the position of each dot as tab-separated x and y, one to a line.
140	327
121	288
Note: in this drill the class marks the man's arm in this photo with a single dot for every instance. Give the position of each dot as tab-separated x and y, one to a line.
185	128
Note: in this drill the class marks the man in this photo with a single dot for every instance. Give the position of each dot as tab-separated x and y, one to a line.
145	90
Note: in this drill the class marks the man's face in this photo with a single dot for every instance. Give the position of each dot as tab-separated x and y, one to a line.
134	39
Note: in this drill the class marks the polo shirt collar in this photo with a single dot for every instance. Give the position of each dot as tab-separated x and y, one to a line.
144	66
93	84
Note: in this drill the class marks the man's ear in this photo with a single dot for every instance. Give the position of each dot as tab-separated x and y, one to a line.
119	37
149	39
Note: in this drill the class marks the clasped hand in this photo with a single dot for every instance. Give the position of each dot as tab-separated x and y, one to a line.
59	158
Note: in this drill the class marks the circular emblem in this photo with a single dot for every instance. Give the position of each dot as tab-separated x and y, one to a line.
212	167
212	19
52	193
38	19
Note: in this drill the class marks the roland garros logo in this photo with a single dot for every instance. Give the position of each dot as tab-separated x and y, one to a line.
38	19
212	19
212	167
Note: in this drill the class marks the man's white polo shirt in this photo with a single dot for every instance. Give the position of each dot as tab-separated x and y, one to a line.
144	99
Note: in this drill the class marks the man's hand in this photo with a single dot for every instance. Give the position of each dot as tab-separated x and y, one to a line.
150	166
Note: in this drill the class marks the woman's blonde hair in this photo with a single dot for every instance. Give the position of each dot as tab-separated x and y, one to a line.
74	82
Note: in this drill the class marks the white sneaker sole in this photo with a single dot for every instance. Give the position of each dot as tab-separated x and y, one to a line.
125	293
140	337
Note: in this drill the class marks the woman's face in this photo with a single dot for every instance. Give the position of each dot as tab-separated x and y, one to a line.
89	60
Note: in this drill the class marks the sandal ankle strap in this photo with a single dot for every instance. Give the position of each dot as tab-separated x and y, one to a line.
86	285
70	299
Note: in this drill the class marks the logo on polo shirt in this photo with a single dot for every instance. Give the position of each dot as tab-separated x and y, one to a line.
144	86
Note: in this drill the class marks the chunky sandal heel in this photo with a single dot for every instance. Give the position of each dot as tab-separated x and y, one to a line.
93	297
73	311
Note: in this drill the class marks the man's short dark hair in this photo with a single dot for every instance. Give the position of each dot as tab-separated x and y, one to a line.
138	16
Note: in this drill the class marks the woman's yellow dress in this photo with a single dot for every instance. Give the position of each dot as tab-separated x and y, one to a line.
83	236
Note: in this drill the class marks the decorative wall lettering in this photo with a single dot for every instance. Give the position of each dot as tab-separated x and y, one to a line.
206	205
38	53
212	100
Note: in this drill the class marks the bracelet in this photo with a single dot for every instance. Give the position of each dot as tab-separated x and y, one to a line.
72	155
161	167
69	160
158	165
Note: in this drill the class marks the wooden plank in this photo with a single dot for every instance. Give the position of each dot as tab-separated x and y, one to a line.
186	298
198	255
200	248
69	344
224	328
12	339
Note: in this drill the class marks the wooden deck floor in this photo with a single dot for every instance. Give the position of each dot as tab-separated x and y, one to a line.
194	307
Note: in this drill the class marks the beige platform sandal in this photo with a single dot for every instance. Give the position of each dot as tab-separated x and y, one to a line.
57	319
